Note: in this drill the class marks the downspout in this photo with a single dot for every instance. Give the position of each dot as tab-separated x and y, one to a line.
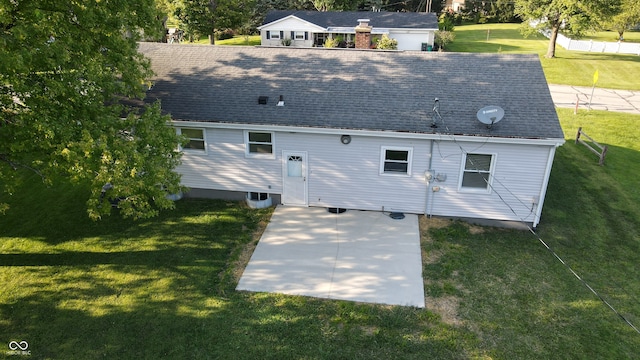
428	177
545	183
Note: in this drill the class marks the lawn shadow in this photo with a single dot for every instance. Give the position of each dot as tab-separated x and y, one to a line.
57	215
142	320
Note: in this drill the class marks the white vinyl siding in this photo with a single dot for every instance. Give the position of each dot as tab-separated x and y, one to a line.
348	176
226	167
518	173
299	31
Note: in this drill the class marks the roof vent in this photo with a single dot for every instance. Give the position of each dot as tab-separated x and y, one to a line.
281	101
262	100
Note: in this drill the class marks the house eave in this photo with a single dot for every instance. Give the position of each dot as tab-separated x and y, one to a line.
375	133
314	26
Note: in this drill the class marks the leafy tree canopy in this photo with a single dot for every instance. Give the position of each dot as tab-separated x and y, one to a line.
71	81
203	17
627	18
574	17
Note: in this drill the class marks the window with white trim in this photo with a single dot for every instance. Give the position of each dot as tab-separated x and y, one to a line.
300	35
196	139
259	144
477	172
395	160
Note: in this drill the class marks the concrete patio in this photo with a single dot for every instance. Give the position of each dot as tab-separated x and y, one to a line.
360	256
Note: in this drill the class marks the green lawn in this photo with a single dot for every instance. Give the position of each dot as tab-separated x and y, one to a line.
241	40
629	36
250	40
164	288
569	67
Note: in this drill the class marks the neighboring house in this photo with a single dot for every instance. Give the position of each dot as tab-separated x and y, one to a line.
358	130
454	5
313	28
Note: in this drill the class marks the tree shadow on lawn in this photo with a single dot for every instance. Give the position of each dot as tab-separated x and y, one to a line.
56	215
68	324
163	288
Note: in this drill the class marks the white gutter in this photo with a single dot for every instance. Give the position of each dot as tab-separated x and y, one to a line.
371	133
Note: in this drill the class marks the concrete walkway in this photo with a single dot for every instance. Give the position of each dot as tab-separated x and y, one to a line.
360	256
565	96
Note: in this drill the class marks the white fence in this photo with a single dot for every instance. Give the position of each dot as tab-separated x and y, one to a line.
595	46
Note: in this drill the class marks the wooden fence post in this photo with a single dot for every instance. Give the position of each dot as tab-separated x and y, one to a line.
603	149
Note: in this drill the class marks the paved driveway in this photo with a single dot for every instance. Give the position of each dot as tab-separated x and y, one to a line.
357	255
603	99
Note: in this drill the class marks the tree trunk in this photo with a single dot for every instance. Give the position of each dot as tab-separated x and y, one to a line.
551	50
212	8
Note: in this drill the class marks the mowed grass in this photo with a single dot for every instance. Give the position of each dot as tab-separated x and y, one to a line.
568	67
250	40
523	303
246	40
612	36
164	288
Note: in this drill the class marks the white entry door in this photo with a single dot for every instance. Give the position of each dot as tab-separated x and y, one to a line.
294	175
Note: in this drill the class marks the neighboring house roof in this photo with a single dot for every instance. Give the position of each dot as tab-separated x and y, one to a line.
330	19
353	89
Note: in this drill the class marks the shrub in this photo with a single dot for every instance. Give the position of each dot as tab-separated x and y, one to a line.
443	38
224	34
331	43
387	43
286	42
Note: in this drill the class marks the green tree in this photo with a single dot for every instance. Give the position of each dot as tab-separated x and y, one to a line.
71	84
574	17
203	17
335	5
627	18
476	11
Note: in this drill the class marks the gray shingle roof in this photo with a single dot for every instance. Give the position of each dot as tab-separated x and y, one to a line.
353	89
325	19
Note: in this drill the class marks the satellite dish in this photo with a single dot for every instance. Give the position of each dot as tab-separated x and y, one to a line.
490	115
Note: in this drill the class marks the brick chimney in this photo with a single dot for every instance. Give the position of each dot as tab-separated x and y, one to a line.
363	34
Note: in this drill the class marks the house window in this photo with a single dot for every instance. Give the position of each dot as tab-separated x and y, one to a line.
300	35
395	160
275	35
259	144
258	196
196	139
476	174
